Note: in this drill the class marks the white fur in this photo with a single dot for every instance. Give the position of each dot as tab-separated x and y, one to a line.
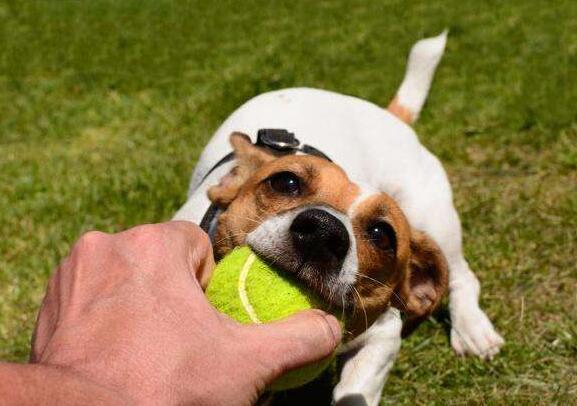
377	149
423	60
366	192
370	357
197	203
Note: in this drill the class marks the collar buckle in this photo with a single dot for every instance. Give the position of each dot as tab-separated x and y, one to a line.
279	140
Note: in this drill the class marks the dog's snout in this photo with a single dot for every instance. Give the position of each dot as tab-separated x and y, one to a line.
319	236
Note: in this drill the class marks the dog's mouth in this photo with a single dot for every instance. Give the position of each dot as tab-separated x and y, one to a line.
323	284
310	245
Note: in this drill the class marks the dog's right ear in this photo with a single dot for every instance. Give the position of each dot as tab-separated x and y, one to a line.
248	159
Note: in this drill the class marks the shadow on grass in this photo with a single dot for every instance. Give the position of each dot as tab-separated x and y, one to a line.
441	316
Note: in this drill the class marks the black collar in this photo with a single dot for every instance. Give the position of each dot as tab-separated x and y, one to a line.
278	141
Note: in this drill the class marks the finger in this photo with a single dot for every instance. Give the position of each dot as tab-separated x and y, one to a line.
304	338
201	260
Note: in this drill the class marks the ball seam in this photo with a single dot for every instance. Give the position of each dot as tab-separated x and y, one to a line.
242	289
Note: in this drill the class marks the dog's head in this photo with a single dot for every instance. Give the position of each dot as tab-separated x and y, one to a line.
351	245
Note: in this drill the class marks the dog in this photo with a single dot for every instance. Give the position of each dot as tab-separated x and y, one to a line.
356	208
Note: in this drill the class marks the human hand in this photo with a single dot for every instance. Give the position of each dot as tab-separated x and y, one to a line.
127	312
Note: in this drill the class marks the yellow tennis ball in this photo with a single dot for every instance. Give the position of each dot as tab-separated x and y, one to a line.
250	291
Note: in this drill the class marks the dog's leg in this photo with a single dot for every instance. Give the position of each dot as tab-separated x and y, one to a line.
367	362
472	333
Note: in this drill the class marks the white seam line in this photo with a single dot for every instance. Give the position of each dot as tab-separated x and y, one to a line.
242	289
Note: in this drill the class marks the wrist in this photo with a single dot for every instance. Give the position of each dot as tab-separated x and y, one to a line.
50	385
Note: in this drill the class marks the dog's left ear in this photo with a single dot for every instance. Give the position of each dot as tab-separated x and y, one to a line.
248	159
426	280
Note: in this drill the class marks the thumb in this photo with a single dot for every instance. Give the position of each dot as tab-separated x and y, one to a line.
302	339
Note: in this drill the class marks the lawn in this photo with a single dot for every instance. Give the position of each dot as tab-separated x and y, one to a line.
105	106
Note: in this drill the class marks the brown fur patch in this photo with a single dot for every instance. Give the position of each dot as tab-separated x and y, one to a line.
403	113
380	272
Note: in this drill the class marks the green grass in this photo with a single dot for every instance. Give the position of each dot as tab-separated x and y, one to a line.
105	106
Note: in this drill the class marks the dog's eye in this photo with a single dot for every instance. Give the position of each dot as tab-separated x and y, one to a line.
286	183
382	235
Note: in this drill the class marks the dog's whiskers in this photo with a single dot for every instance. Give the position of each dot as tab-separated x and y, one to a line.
388	287
362	307
258	220
228	237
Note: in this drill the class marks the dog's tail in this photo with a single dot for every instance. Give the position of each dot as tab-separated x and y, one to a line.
423	60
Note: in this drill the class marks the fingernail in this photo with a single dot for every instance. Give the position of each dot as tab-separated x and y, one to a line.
335	327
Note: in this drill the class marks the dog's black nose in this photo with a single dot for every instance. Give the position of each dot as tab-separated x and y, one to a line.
320	237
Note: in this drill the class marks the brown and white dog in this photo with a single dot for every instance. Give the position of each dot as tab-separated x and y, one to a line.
374	233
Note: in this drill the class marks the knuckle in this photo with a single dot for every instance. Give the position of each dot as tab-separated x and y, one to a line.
190	229
89	246
90	240
330	336
202	238
191	234
145	234
317	317
324	337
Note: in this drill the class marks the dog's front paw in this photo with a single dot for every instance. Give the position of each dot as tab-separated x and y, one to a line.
472	333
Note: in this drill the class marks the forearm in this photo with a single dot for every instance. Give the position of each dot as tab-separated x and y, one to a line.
27	384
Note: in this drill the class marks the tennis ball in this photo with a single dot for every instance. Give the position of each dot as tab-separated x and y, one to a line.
250	291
